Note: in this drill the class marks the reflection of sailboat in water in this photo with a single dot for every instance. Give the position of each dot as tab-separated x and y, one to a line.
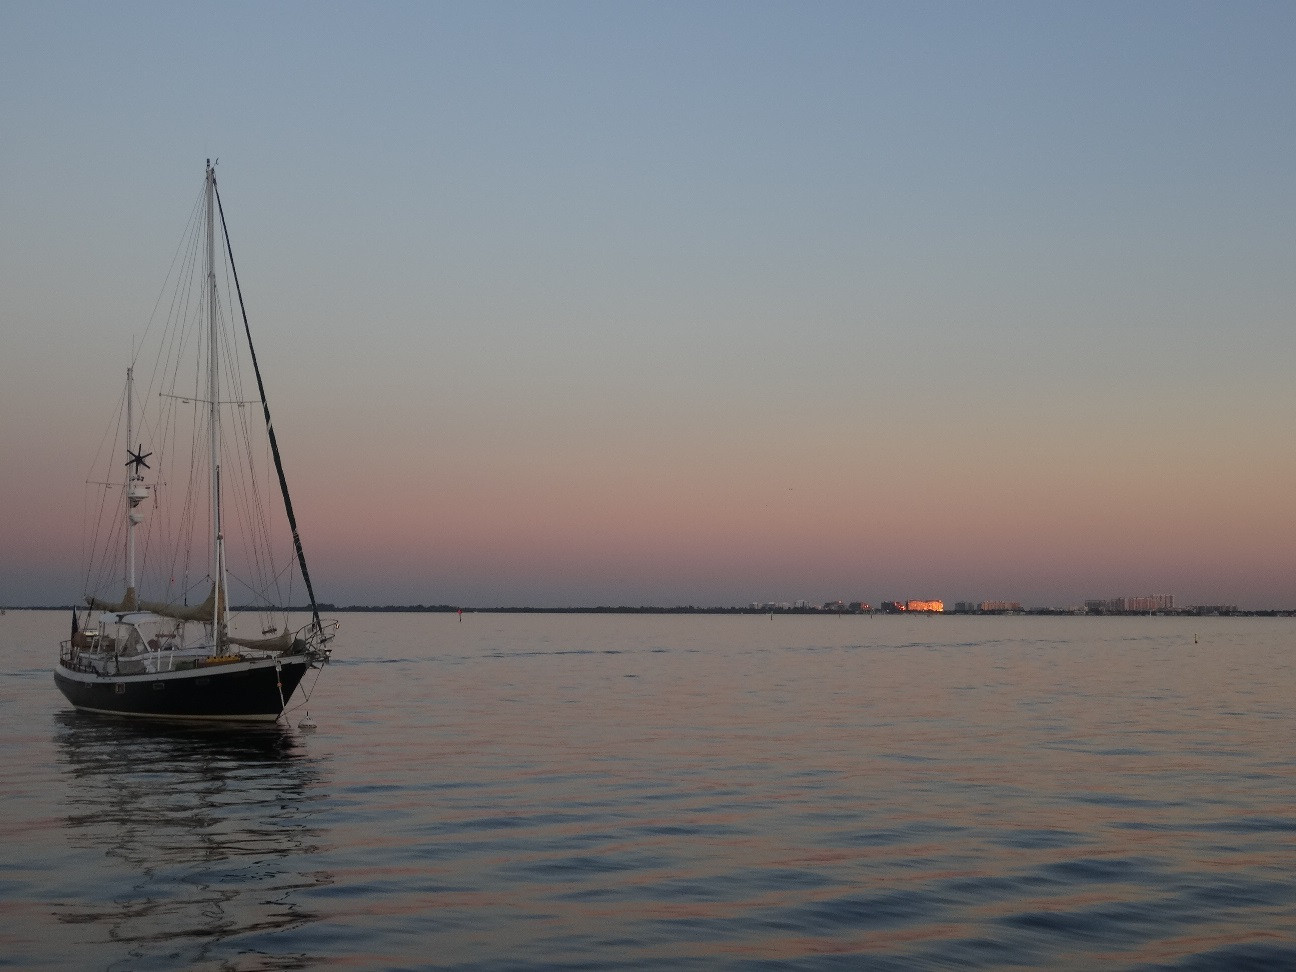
209	836
169	657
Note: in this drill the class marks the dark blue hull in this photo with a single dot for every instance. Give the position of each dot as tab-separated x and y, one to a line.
240	691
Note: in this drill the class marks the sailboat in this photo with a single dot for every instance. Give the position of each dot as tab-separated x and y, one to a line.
188	653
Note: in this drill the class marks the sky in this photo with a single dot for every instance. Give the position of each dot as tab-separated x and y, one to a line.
658	303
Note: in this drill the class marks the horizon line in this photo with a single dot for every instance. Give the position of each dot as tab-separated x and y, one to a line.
1075	611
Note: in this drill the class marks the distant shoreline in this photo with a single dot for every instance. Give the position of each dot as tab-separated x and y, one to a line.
689	609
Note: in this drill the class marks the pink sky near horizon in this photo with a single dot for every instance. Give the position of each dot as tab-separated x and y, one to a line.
603	528
508	529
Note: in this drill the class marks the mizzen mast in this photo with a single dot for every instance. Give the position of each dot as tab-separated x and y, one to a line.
136	491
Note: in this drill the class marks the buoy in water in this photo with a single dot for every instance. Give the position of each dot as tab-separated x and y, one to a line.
306	722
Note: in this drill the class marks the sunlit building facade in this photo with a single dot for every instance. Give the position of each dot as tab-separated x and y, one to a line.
914	607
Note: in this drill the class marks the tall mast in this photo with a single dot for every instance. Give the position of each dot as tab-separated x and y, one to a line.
131	517
213	413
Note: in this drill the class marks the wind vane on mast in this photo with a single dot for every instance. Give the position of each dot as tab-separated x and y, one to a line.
137	458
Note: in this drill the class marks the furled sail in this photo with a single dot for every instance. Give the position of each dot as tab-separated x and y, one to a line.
129	602
186	612
283	642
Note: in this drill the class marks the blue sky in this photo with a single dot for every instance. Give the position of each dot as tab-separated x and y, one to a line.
670	303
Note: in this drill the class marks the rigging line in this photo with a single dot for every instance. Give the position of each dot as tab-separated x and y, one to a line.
176	273
244	489
157	427
259	603
111	573
177	336
186	525
258	512
306	693
257	547
251	550
265	605
109	527
177	283
187	237
166	525
265	405
279	682
93	562
112	432
170	529
260	539
257	594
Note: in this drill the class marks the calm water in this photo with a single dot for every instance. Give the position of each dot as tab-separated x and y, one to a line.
517	792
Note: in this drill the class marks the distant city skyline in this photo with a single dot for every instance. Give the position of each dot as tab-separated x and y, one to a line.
1136	604
660	303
